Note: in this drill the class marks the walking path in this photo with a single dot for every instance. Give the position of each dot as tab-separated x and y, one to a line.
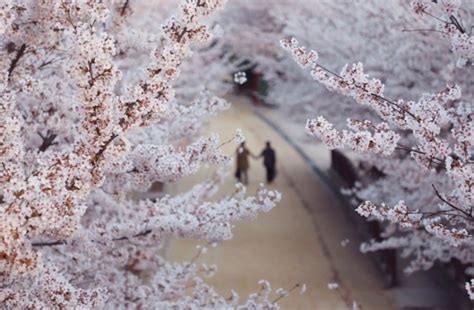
297	242
433	289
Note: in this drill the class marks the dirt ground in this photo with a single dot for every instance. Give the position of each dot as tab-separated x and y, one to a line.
299	241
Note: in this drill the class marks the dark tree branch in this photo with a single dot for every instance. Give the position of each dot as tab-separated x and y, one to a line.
143	233
49	62
50	243
48	140
181	35
124	8
456	23
63	242
451	204
452	21
19	53
104	147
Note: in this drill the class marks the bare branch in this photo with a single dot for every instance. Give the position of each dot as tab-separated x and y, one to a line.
124	8
48	140
450	204
63	242
19	53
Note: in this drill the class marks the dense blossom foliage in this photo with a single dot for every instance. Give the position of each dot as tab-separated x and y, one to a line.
431	140
387	36
99	100
80	131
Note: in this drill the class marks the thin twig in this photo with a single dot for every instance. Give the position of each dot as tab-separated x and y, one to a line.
424	30
144	233
124	8
451	204
50	243
435	17
286	293
405	148
19	53
62	242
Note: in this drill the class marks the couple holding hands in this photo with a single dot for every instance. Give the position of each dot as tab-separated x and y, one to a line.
269	161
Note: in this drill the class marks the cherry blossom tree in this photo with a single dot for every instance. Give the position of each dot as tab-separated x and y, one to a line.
386	35
427	193
84	122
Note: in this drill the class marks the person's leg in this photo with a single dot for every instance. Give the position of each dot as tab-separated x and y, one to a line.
237	174
245	177
270	173
273	173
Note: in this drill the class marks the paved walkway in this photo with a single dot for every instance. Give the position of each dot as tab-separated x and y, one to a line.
298	241
433	289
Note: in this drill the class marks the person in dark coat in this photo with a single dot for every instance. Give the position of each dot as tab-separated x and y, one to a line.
269	161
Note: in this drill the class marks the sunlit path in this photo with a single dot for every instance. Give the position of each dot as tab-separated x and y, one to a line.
298	241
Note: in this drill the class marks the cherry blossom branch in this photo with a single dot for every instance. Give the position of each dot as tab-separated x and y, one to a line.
63	242
77	195
103	148
445	213
461	41
469	215
400	215
389	101
421	9
405	148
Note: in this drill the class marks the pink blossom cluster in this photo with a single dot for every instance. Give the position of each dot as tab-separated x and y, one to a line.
381	141
401	215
